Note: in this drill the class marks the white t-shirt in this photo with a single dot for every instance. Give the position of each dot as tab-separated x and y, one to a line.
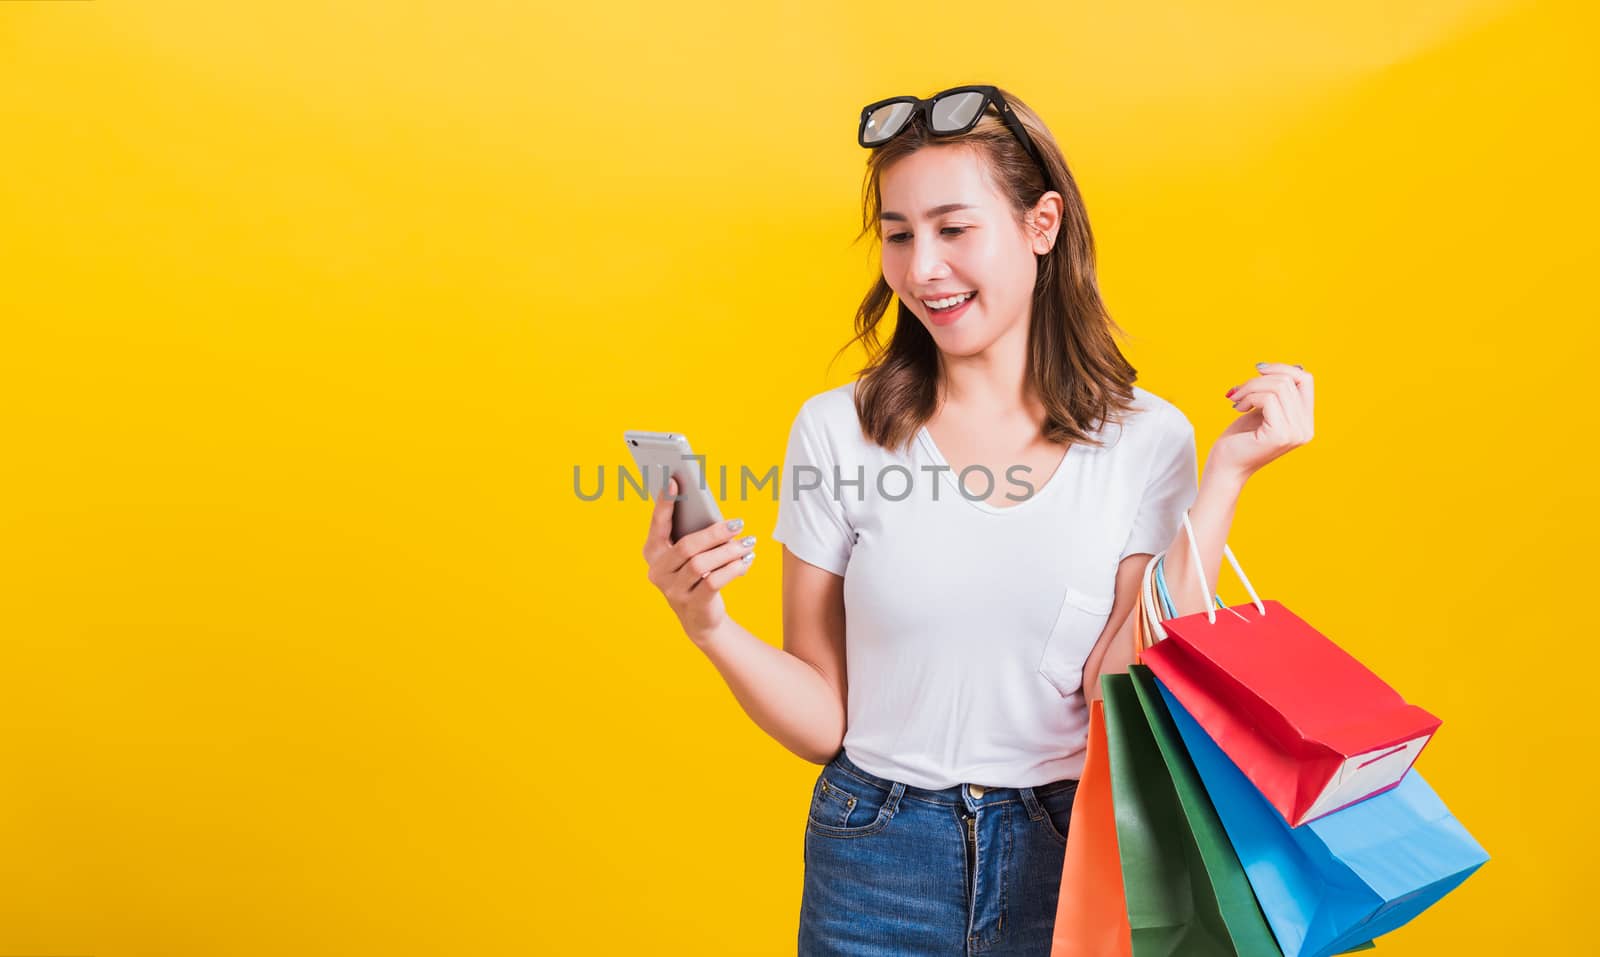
967	624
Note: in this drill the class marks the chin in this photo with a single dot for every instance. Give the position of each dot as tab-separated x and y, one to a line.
954	343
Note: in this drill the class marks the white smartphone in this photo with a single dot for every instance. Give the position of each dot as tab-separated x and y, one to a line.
659	454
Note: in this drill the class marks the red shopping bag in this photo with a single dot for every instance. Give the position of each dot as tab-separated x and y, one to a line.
1308	724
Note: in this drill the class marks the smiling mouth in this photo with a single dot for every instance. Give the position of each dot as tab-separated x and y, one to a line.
957	304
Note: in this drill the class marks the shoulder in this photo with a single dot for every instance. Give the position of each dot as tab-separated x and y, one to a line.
832	411
1158	413
1151	425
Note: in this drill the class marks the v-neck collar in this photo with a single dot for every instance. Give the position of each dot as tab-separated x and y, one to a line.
1056	478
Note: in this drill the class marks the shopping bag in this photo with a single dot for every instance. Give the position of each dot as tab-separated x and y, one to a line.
1186	888
1092	910
1187	893
1311	726
1345	877
1092	913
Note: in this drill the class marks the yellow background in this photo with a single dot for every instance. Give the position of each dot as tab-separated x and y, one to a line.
310	311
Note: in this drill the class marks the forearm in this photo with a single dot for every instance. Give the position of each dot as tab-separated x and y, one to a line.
784	695
1110	657
1212	517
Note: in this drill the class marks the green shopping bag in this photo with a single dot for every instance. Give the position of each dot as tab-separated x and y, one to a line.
1187	892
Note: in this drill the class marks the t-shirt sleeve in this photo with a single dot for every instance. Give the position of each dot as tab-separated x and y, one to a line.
1172	487
811	518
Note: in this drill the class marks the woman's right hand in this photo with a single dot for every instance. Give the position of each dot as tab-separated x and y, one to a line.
692	572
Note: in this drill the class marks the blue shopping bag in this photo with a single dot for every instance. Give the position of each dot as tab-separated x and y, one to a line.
1338	880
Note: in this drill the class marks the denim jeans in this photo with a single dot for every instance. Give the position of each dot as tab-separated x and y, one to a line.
892	869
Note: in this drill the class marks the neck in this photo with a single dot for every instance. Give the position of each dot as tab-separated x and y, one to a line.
993	383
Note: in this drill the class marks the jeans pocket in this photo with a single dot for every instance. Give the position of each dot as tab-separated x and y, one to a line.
1077	627
1057	807
843	805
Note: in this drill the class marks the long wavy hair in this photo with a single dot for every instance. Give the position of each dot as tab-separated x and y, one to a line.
1074	365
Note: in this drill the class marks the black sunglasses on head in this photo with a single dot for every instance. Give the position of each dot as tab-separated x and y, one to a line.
946	113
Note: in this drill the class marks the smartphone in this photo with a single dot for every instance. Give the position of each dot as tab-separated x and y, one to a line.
659	454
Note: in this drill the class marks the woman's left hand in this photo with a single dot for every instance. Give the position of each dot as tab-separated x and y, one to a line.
1277	417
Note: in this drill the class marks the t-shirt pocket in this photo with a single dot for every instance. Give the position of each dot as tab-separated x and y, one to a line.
1077	627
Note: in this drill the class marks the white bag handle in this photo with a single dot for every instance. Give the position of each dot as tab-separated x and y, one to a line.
1147	600
1147	586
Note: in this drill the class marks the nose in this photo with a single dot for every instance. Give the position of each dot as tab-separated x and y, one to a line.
927	264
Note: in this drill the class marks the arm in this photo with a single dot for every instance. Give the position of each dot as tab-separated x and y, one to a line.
796	694
1119	627
1277	407
1212	516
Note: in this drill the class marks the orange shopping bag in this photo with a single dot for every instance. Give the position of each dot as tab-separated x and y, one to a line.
1092	912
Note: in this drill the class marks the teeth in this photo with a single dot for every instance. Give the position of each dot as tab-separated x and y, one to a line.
947	303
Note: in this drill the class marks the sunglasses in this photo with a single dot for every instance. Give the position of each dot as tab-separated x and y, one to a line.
947	113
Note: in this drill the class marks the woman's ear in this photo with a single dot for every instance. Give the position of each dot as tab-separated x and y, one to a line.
1045	222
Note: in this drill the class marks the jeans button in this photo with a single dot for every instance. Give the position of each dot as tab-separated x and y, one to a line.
976	790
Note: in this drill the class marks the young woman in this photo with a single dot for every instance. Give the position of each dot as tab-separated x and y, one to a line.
964	530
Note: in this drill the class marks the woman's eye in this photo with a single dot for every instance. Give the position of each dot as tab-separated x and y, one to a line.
902	237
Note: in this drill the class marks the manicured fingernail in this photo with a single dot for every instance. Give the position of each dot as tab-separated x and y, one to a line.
734	524
1231	392
747	541
1261	366
748	557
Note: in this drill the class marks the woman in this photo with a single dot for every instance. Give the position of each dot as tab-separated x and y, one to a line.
951	715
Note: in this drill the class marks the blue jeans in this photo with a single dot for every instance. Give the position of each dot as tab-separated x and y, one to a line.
894	870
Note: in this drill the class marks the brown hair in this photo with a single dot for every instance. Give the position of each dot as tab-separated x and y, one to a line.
1074	365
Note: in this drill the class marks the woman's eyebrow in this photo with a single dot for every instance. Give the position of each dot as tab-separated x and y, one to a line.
935	211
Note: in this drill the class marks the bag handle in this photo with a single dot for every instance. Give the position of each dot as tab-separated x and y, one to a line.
1146	592
1143	636
1149	630
1167	608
